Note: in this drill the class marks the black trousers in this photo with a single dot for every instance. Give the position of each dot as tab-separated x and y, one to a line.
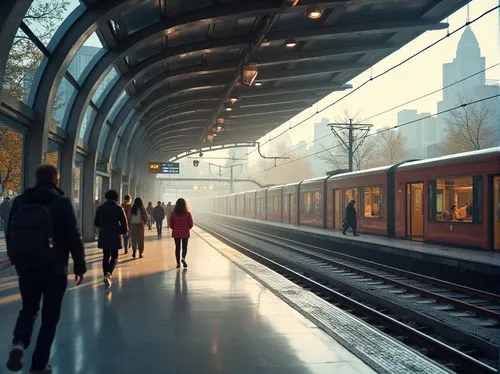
159	224
33	287
109	259
178	248
350	224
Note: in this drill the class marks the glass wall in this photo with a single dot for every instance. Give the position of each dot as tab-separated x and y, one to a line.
98	189
77	187
454	199
351	193
372	201
312	203
54	153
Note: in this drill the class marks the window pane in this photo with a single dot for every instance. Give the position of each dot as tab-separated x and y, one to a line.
117	106
62	103
88	120
11	163
44	17
351	193
372	201
54	153
454	199
87	56
312	203
102	139
22	64
105	85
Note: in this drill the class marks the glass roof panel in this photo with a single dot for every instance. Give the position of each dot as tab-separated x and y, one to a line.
22	64
117	106
88	120
105	85
62	103
139	17
102	139
44	17
86	57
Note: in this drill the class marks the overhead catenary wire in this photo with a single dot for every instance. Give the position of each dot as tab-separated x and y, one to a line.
405	103
388	129
372	78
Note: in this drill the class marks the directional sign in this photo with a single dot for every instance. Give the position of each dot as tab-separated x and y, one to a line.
164	167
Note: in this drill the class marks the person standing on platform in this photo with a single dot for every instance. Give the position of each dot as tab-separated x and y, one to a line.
350	219
137	218
159	216
42	231
112	223
168	211
150	211
126	205
180	221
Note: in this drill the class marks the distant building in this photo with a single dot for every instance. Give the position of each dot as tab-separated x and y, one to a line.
420	136
323	138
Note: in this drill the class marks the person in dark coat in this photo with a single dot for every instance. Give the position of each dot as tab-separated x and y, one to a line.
49	282
126	205
159	216
4	212
112	223
180	221
350	219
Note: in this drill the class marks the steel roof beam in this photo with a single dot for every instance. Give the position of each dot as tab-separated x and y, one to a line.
251	92
298	73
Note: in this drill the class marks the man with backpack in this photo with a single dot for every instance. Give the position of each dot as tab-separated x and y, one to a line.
42	231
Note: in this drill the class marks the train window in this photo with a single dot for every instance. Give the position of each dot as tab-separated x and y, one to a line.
312	203
372	201
351	193
455	200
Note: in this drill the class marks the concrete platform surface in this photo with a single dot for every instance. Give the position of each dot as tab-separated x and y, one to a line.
210	318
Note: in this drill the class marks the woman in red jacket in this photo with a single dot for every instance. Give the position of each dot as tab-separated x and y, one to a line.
180	221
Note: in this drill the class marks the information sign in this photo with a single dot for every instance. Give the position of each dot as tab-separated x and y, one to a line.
164	167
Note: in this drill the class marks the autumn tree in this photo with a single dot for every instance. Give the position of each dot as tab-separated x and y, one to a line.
43	17
389	147
468	128
11	148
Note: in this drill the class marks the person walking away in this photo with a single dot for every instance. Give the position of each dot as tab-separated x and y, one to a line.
350	218
150	211
180	221
137	218
42	231
4	212
112	223
159	216
126	205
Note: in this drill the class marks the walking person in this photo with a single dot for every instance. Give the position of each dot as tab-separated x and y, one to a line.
350	219
112	223
137	218
150	211
126	205
42	231
180	221
168	211
159	216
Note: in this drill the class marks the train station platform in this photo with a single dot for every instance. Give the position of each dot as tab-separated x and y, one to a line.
226	313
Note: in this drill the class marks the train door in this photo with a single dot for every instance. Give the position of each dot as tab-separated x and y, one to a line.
415	211
496	214
293	208
338	209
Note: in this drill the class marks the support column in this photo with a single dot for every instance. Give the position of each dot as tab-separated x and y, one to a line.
88	198
116	183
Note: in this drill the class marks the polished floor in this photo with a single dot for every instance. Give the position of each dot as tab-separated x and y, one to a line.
209	318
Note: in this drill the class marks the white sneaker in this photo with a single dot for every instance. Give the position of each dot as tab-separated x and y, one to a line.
107	282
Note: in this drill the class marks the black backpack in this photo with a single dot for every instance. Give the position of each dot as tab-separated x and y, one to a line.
31	242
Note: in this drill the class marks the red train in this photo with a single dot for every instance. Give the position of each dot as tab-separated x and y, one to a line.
450	200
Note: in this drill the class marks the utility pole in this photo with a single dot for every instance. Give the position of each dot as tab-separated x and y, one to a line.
231	171
353	141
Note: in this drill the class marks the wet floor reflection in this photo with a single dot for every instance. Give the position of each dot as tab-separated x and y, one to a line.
209	318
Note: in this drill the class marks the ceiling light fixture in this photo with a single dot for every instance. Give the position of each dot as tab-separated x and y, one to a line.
290	43
258	84
314	12
219	120
233	99
248	73
265	43
228	109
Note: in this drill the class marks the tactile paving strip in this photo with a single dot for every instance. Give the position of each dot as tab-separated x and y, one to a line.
381	352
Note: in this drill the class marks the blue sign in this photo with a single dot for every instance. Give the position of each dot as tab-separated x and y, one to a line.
164	167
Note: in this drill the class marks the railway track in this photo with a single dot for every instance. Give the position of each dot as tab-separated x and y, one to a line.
452	324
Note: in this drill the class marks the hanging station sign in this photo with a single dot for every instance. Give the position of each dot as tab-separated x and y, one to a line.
164	167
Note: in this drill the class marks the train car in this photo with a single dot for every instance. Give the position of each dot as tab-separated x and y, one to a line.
450	200
312	202
240	205
370	190
231	204
290	206
260	204
274	205
250	201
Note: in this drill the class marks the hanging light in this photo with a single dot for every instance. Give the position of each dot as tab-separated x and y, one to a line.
228	109
258	84
219	120
314	12
248	74
265	43
290	43
210	138
218	128
233	99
